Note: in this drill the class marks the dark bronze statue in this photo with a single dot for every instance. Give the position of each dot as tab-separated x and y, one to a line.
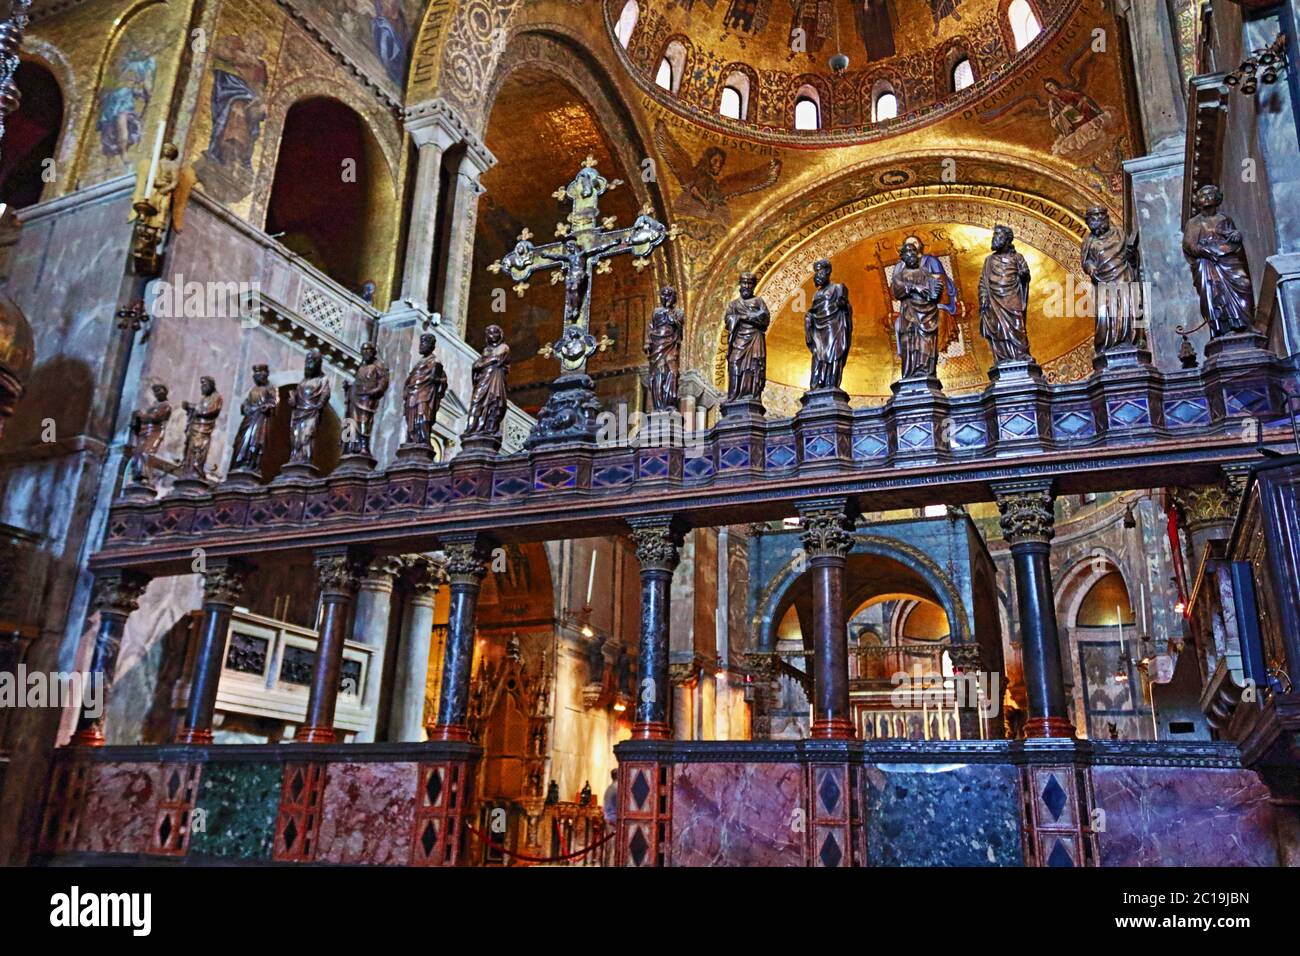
1004	299
747	319
828	328
1213	247
1110	260
663	347
307	400
257	410
364	393
200	423
918	291
487	406
425	387
149	427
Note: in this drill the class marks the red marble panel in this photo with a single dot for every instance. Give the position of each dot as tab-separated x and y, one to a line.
120	808
1182	816
738	814
367	813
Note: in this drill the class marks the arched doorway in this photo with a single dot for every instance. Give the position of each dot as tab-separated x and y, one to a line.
31	136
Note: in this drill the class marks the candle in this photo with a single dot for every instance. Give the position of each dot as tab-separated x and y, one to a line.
157	155
591	577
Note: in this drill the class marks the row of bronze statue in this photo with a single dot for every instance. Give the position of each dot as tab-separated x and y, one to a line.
422	397
1211	243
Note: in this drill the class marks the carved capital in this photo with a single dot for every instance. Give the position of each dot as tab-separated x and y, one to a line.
1211	504
965	658
422	574
763	666
378	574
827	529
119	592
467	558
658	542
224	580
1027	510
338	573
683	672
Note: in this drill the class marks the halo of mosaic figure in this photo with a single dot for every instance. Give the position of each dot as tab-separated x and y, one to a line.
1109	257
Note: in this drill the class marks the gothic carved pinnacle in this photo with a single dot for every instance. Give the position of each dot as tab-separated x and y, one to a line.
827	533
657	541
119	592
224	581
338	574
1027	513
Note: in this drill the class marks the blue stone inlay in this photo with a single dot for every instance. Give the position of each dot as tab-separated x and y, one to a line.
970	435
780	456
736	456
916	435
556	476
1187	411
654	465
612	475
466	487
1129	412
1241	401
640	789
829	792
1017	425
867	446
1073	424
701	466
818	446
507	486
1055	797
943	815
1059	856
830	853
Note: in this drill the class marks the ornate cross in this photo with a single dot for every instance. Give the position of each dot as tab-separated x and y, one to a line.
585	244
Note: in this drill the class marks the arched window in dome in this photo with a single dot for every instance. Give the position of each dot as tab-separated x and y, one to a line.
733	102
627	22
1024	23
672	67
884	103
963	75
807	108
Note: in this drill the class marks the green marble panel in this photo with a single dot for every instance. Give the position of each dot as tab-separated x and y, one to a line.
240	801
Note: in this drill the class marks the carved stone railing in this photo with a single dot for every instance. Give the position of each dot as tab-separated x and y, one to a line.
1108	433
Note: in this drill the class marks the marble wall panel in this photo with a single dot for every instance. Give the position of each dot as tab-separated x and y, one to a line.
120	808
239	801
1179	816
738	814
367	813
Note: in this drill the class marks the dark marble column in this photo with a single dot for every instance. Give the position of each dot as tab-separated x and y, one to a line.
658	541
338	570
827	541
467	563
222	584
117	594
1028	522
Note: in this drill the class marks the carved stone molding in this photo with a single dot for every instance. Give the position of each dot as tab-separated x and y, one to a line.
658	541
224	580
827	528
119	592
338	573
1027	510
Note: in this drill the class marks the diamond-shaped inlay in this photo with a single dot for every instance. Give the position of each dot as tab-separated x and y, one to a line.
970	435
654	466
640	789
1072	425
507	486
1186	411
1018	425
737	456
638	846
1242	400
433	789
829	791
612	475
780	456
429	837
1059	856
296	786
818	446
565	476
173	785
165	829
1055	797
1129	413
699	467
830	853
290	834
915	435
867	446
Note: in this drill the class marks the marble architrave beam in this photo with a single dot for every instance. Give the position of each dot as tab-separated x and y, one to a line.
1121	429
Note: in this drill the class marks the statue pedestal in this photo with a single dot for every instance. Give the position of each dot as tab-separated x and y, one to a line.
415	453
138	491
1132	397
481	444
239	479
742	410
1019	404
1237	376
741	439
295	472
570	413
1121	356
356	463
920	410
823	430
190	485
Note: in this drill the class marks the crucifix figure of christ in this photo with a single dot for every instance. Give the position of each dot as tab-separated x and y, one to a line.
585	244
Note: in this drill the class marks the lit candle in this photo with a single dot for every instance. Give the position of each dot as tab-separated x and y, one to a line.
157	155
591	577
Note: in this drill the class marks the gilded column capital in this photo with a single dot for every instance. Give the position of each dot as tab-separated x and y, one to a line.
1211	504
467	558
224	580
658	541
827	528
1028	512
118	592
338	572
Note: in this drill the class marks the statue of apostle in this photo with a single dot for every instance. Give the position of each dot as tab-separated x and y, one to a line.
918	291
258	407
364	393
200	422
1110	260
487	406
828	328
1213	247
747	319
1004	299
663	347
425	386
307	400
148	426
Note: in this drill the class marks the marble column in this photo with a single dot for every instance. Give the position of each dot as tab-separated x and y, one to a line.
467	564
658	540
1152	41
338	572
223	582
460	245
1208	514
370	627
431	140
1028	520
406	721
117	594
827	540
